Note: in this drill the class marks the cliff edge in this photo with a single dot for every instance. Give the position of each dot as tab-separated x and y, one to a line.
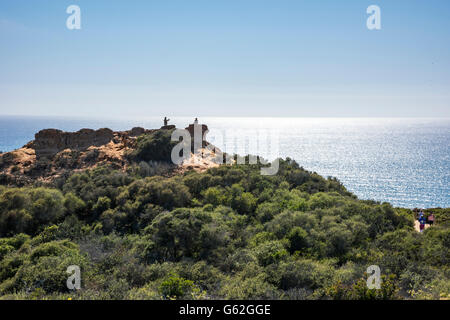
55	153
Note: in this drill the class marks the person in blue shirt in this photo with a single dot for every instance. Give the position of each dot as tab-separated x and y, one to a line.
422	221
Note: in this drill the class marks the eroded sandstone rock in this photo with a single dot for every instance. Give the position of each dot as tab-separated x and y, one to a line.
49	142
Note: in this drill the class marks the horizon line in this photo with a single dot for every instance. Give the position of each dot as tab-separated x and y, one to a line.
141	117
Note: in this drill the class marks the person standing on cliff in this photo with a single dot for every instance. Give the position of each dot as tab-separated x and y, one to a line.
166	121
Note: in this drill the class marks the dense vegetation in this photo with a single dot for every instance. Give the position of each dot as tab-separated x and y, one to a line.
156	146
227	233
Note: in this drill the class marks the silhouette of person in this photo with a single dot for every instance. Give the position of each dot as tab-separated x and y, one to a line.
196	121
166	121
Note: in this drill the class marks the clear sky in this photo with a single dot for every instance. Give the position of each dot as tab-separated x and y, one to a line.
225	58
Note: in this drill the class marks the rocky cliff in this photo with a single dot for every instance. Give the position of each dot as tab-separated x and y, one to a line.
54	153
49	142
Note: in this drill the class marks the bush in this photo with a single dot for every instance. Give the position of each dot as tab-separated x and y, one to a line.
298	239
188	233
254	288
270	252
175	287
154	146
25	210
45	268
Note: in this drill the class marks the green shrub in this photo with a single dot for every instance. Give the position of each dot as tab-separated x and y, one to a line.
234	233
298	239
175	287
270	252
154	146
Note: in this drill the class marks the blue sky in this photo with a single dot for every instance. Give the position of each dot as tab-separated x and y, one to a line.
225	58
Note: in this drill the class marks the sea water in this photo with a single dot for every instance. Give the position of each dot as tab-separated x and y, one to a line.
402	161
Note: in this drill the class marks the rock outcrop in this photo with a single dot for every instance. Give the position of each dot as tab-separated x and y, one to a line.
49	142
137	131
55	153
168	127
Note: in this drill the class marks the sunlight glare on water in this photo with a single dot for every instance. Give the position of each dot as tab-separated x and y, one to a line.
402	161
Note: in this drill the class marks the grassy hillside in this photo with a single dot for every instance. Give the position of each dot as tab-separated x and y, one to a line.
228	233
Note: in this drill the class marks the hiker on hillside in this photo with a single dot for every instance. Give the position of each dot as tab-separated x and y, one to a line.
422	221
431	219
166	121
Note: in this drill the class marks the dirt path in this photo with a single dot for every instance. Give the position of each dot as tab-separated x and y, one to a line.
417	226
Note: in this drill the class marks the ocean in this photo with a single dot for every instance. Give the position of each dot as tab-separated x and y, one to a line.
402	161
